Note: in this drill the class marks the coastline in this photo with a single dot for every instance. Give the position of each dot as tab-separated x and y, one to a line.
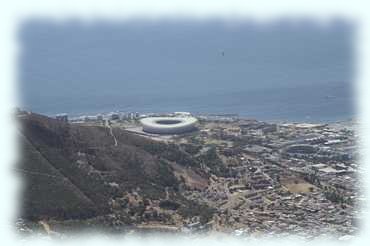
214	116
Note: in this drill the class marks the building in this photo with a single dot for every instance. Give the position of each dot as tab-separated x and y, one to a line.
182	114
114	116
62	117
99	117
168	125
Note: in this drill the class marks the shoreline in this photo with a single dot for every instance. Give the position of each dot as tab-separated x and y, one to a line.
214	116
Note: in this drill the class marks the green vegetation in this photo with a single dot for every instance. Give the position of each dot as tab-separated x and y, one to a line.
166	177
191	209
74	172
192	149
167	204
335	196
211	159
312	178
46	192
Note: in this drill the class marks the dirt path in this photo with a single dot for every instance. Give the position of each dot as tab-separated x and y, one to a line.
111	133
46	227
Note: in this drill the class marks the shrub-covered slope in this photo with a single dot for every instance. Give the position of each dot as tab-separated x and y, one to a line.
77	172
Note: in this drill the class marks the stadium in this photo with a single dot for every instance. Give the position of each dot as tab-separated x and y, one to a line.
168	125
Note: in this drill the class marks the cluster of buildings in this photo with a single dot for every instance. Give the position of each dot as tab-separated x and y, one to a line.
113	116
116	116
300	179
278	179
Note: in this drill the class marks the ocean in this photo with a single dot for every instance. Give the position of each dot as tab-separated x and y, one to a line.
284	70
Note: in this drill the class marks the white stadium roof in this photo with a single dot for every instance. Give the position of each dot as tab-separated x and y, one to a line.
168	125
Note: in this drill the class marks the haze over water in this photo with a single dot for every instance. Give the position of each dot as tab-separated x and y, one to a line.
278	71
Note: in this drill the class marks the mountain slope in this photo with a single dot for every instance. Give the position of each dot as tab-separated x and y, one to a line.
77	172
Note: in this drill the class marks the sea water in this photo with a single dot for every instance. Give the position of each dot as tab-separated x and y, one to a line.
284	70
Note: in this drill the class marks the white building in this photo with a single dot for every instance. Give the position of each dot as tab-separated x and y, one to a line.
62	117
168	125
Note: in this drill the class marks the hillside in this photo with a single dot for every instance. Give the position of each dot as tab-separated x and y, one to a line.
74	172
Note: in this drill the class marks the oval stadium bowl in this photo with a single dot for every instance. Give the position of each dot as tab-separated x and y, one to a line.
168	125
